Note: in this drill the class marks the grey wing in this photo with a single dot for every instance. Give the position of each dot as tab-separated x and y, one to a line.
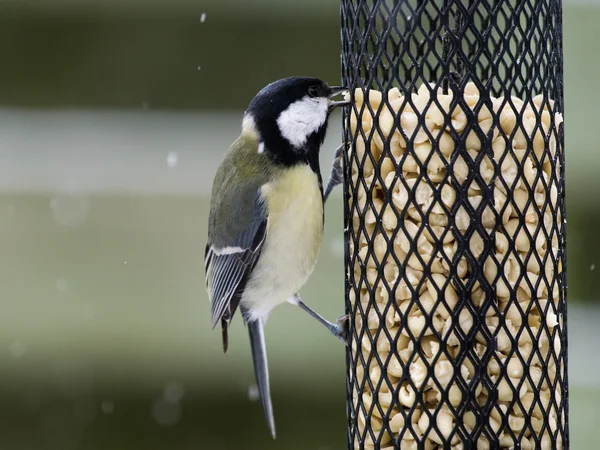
229	262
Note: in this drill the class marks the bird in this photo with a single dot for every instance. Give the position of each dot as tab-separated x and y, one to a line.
266	219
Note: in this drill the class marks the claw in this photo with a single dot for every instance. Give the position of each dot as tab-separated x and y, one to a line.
336	175
343	328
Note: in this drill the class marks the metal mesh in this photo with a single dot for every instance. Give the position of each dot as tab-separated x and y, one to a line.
454	186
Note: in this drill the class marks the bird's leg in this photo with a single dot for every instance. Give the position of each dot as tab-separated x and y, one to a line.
336	175
338	329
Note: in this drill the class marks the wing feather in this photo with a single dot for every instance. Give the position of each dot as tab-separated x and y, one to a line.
229	265
237	226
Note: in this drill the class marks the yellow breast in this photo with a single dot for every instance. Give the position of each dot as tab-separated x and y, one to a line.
294	235
295	224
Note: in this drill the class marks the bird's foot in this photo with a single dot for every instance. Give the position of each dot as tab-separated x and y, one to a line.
336	175
341	329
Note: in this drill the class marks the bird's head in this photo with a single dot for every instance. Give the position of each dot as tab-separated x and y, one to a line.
290	115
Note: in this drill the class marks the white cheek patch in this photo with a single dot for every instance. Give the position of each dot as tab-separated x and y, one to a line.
301	119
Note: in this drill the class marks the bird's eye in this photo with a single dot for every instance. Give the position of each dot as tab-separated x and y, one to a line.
313	91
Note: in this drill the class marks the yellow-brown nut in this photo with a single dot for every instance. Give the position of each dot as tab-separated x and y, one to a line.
364	115
394	369
400	193
439	232
403	292
501	243
407	396
393	94
397	148
444	423
397	423
409	123
382	436
387	116
387	167
374	320
438	285
459	119
418	372
428	157
539	99
465	323
508	119
373	97
445	144
436	114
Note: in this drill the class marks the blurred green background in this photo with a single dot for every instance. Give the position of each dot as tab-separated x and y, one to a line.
113	117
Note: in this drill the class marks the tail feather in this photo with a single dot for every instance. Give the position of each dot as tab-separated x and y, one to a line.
261	370
225	335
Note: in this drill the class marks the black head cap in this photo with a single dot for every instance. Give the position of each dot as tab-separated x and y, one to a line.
279	95
291	116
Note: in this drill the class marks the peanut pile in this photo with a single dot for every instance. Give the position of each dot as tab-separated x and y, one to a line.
413	258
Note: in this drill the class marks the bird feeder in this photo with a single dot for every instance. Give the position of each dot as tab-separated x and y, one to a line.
455	224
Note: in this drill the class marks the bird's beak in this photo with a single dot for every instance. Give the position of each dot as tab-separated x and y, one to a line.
336	90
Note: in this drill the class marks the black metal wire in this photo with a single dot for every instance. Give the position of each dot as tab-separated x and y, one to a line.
505	49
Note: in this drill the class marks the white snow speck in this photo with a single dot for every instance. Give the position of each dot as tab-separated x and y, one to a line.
17	349
203	18
253	394
108	407
199	67
172	159
592	267
62	284
336	246
165	413
174	390
70	210
124	262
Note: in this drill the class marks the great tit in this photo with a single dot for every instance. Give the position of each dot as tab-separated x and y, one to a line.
266	216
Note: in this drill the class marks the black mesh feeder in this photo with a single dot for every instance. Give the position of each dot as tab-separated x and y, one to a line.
455	224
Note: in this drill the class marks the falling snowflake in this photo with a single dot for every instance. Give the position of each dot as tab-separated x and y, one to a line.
108	407
253	394
172	159
17	349
62	284
165	413
174	391
69	210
